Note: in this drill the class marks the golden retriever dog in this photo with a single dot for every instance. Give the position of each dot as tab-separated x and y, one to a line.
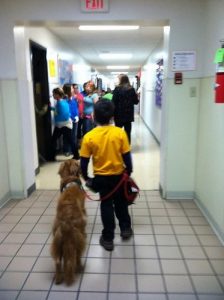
69	237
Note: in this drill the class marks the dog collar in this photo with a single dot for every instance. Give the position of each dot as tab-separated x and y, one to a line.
72	183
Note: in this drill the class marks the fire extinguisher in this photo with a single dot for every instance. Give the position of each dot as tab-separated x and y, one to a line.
219	81
219	88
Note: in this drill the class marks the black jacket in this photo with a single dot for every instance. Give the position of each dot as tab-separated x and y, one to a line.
124	99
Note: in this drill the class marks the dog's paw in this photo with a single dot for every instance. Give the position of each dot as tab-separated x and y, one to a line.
69	280
80	268
58	278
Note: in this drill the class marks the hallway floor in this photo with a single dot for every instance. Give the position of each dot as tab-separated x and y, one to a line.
173	255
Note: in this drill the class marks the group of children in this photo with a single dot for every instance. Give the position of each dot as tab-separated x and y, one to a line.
73	116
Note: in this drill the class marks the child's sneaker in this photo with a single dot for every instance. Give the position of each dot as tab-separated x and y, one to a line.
126	233
107	245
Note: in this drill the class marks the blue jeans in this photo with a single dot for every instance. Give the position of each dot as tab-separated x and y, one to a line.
87	125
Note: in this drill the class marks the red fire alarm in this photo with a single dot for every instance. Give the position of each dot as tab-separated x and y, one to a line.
178	78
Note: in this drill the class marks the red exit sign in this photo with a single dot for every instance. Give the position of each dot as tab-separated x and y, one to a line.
94	5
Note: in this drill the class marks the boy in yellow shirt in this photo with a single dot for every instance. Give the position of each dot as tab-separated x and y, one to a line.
110	151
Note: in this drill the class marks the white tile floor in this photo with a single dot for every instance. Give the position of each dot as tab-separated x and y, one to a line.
173	255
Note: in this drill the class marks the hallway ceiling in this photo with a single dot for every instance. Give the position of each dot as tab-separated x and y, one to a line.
89	44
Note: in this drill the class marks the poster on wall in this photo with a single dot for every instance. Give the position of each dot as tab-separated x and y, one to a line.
52	68
52	61
159	83
64	71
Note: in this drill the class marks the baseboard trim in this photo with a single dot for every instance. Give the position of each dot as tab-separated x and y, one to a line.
174	195
161	191
218	231
155	138
37	170
183	195
5	199
31	189
16	195
192	196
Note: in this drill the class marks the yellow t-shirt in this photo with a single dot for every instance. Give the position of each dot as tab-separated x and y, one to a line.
106	144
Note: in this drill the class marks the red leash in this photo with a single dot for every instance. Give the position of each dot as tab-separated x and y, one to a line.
112	192
125	178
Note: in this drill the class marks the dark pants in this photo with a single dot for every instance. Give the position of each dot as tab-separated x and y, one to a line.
66	145
114	205
80	129
67	134
127	128
87	125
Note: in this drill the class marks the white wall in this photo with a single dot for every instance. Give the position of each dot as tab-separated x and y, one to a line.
4	182
182	126
179	114
13	165
150	112
209	186
177	121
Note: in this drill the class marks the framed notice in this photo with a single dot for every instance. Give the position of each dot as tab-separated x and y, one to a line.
183	60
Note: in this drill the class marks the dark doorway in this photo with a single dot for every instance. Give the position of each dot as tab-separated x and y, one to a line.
41	100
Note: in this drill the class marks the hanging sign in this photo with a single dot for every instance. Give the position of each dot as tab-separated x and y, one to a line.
94	6
184	61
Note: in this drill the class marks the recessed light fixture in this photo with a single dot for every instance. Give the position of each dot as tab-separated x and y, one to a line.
108	27
111	56
118	67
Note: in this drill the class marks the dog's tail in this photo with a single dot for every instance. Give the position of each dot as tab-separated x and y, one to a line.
57	253
71	252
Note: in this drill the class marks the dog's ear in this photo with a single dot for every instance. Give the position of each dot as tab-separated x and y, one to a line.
61	169
75	167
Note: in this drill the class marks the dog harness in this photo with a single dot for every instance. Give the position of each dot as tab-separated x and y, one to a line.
72	183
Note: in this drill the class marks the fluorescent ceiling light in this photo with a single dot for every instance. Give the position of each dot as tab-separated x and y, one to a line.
118	67
108	27
115	56
117	73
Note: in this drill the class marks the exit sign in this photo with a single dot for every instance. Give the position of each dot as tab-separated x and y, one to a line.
95	6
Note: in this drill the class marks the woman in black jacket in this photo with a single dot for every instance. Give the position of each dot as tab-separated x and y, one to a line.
124	99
